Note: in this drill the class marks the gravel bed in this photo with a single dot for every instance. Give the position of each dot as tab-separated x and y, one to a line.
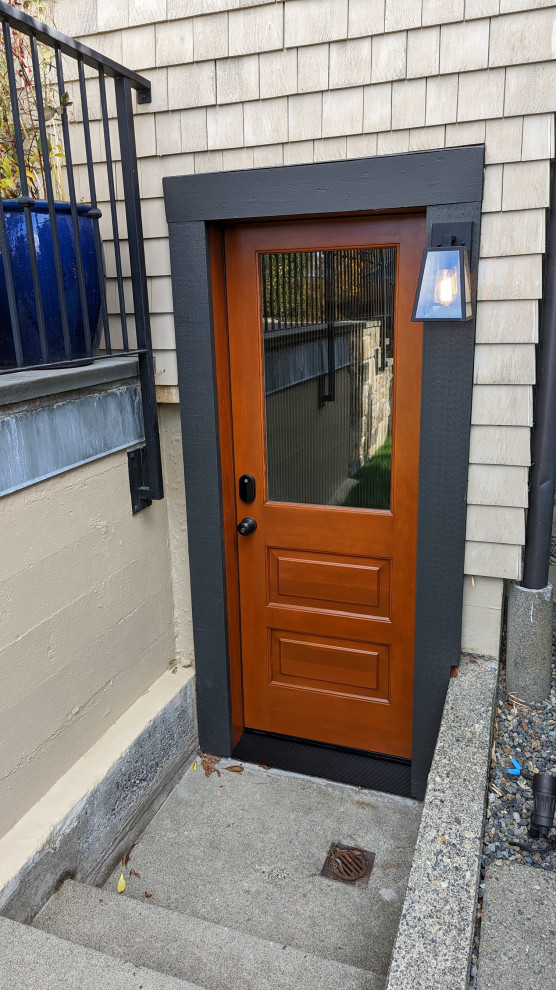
528	734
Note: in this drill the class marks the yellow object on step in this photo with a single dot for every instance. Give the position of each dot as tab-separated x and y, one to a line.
121	884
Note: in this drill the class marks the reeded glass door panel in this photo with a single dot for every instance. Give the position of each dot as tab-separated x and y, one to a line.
328	336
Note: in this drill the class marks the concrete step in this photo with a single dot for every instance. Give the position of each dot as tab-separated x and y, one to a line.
34	960
245	850
219	958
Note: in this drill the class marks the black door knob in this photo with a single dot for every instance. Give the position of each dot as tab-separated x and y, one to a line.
246	526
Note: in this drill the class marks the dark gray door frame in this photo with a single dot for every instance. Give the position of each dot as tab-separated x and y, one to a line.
448	184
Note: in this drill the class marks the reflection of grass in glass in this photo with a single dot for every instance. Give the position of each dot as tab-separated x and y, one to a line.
372	490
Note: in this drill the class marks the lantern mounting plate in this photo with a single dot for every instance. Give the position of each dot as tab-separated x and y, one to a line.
449	234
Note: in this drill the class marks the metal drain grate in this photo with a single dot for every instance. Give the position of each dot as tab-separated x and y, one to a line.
348	864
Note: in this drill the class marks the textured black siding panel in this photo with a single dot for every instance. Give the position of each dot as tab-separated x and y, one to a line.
446	391
193	320
348	766
390	182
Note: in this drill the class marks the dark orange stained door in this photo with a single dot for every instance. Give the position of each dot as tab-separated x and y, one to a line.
325	383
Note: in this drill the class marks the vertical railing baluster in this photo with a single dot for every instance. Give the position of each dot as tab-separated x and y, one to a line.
287	290
49	187
329	316
280	288
73	206
268	262
139	282
10	289
94	212
113	207
25	200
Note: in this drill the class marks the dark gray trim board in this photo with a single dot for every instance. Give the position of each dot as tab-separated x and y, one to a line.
391	182
448	183
191	287
446	389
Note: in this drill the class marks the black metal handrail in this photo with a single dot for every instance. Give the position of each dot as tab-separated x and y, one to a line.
124	81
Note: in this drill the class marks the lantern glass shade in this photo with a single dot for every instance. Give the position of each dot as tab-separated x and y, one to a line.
444	288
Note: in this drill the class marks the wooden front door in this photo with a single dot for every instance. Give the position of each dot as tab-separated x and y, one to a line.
325	373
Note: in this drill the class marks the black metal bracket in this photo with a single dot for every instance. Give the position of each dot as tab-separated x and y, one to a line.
447	234
138	479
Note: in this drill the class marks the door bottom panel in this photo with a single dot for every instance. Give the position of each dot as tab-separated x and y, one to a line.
347	766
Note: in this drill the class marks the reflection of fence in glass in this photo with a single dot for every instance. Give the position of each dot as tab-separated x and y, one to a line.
328	324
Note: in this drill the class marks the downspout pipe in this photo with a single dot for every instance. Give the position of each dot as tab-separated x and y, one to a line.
542	475
530	607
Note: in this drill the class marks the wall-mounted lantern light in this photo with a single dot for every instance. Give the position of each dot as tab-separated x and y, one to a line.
444	287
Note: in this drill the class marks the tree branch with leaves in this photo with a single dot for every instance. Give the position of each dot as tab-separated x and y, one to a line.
35	155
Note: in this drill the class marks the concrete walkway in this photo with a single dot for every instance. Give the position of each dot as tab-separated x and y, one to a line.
232	864
518	930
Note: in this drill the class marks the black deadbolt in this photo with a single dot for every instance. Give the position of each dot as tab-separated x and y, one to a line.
247	488
246	526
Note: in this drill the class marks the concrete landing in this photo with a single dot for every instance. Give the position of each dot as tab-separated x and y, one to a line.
518	930
33	960
245	850
213	956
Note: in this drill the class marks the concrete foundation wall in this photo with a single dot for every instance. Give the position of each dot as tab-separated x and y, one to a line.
483	602
174	500
88	619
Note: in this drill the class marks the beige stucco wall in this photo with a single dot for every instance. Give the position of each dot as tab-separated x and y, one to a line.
87	618
174	501
243	84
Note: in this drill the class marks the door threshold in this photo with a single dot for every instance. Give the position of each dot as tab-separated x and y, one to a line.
391	774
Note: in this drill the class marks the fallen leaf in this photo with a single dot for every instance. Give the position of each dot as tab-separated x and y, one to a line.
453	671
208	763
175	670
147	894
125	857
134	873
234	769
209	756
472	660
121	884
524	724
265	766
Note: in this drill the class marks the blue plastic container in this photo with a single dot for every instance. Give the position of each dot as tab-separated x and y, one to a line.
21	270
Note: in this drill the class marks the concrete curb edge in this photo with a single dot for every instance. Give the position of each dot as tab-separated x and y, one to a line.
435	934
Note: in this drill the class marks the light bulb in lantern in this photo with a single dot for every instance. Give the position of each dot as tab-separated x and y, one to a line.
446	288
